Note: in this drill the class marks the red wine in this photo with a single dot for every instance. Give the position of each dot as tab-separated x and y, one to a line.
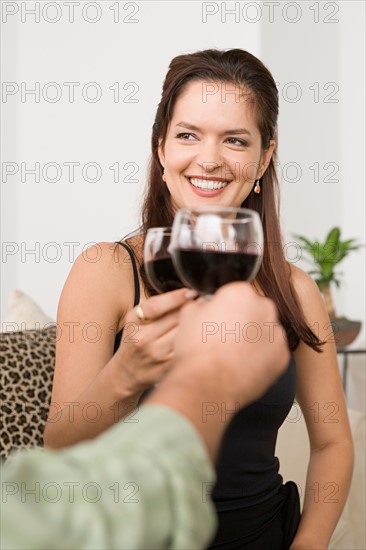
162	275
207	270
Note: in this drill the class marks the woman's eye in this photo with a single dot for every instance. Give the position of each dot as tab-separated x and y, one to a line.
184	135
236	141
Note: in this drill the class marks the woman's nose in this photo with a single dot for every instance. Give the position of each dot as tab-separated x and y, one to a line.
209	156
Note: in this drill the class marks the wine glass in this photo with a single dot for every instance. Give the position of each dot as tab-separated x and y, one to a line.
215	245
158	261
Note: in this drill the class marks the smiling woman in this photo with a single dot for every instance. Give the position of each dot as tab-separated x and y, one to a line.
213	142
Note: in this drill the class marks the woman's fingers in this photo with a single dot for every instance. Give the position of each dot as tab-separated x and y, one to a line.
163	347
159	357
158	314
148	355
154	330
157	306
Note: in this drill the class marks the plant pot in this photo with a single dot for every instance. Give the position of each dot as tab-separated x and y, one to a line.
345	331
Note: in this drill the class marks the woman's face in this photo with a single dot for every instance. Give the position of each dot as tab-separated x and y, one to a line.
213	151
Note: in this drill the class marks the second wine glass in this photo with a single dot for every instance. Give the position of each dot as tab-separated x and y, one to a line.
158	261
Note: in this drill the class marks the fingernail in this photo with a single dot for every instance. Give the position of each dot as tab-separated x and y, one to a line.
191	294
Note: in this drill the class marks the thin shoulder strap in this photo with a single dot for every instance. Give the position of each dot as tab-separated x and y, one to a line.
134	267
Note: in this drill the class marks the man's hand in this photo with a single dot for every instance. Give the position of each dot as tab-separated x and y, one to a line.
236	337
216	366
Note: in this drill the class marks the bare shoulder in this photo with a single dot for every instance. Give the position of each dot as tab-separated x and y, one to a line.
101	256
299	277
102	262
100	280
315	313
305	287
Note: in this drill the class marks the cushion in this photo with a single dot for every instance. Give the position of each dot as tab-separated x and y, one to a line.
27	360
24	313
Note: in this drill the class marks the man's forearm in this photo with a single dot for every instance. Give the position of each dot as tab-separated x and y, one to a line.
202	400
112	492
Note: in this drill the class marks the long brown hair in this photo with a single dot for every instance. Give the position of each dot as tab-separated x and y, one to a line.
242	69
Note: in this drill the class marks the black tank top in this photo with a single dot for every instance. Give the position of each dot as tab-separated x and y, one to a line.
137	291
247	469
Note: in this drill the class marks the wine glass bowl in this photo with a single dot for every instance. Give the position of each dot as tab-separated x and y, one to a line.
158	261
213	245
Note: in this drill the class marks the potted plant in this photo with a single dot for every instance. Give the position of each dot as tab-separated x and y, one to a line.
326	256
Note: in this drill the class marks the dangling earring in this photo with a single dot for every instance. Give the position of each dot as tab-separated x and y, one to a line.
257	188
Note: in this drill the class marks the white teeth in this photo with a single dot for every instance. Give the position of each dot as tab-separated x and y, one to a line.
204	184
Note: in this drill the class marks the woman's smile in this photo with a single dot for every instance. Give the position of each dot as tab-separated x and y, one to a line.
207	186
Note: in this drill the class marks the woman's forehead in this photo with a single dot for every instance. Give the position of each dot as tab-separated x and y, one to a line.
218	104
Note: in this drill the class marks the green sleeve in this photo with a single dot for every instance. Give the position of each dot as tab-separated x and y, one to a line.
143	484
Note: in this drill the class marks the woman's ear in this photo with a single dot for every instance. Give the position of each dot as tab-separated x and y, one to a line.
161	153
266	159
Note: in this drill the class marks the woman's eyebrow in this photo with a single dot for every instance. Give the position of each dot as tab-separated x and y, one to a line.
235	131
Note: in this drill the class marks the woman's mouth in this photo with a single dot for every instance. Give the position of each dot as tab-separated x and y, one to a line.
205	187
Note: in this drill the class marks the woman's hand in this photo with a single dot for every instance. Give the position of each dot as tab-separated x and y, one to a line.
146	352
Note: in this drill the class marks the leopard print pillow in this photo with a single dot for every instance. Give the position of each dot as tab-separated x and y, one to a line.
27	360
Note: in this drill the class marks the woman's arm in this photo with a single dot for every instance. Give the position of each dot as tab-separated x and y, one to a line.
93	388
321	398
96	295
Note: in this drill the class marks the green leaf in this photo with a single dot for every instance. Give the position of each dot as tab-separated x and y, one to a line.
318	252
306	241
346	243
333	236
331	243
327	269
306	244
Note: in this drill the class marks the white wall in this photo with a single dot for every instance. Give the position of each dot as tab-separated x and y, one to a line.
319	63
299	44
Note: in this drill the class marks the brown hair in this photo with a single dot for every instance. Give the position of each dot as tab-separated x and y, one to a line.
242	69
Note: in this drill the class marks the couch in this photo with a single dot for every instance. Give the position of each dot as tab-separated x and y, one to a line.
293	452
